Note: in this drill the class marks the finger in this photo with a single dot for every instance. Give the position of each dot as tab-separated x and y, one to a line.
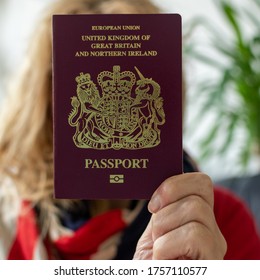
144	248
191	241
189	209
180	186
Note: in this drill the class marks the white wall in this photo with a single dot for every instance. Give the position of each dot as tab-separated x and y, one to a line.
17	21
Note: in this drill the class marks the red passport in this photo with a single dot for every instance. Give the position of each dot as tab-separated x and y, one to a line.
117	104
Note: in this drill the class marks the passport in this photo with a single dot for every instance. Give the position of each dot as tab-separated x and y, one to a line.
117	104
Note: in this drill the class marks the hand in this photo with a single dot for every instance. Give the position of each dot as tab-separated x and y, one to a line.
183	224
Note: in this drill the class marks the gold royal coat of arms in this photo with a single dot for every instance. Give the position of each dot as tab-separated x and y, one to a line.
125	114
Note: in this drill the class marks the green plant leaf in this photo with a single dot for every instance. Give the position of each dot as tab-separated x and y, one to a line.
257	2
233	119
231	15
245	152
238	77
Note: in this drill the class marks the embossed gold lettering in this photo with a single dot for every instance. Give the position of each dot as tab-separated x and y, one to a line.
142	53
116	163
131	27
115	27
93	38
101	46
106	27
123	37
128	46
81	53
108	53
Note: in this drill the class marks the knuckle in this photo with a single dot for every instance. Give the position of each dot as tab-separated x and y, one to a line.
206	187
223	246
204	244
159	248
158	221
206	180
193	243
156	225
166	185
193	230
193	204
165	189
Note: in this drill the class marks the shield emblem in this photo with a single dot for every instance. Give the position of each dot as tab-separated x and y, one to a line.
117	114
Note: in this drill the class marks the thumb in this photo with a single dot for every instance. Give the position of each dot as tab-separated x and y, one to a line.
144	248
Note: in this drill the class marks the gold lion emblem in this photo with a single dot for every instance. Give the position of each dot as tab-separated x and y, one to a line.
125	114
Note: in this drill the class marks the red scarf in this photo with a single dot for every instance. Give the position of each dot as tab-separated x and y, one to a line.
98	238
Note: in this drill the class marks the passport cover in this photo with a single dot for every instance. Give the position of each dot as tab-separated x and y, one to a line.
117	104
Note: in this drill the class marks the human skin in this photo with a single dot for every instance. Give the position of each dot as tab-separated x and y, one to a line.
182	224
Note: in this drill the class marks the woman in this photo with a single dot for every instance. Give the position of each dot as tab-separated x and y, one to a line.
180	221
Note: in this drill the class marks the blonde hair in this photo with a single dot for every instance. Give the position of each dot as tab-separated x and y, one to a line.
26	144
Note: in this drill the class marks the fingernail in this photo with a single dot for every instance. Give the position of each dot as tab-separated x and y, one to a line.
154	204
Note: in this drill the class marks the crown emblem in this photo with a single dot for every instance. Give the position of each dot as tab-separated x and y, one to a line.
124	112
83	79
116	81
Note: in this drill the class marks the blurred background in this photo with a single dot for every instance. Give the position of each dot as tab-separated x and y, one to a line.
220	41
